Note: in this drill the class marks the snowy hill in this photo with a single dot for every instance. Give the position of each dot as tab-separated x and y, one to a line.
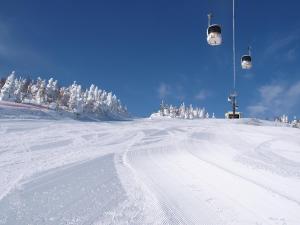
149	171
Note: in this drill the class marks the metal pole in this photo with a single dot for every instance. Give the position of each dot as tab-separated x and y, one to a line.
234	64
233	43
233	107
209	18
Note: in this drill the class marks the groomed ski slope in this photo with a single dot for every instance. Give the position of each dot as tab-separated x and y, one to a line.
149	171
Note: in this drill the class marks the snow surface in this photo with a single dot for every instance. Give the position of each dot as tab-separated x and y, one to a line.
13	110
149	171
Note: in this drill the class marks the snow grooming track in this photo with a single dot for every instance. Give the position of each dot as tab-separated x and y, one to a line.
243	189
68	195
157	167
140	206
193	172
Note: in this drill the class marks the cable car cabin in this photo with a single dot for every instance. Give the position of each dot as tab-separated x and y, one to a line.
229	115
214	36
246	62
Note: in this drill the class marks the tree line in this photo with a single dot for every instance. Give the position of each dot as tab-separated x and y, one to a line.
73	98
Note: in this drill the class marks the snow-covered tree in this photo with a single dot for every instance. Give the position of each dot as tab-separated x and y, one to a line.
207	115
52	91
2	82
8	90
172	111
95	101
76	103
182	111
40	96
63	97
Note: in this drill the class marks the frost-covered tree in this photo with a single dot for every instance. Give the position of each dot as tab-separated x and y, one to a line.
2	82
63	97
182	112
40	96
76	103
8	90
94	101
172	111
52	90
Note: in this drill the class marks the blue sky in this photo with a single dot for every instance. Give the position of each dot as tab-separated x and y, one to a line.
144	51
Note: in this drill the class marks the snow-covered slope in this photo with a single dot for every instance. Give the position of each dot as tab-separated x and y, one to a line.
149	171
12	110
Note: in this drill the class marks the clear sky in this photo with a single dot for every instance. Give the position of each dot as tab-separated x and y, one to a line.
144	51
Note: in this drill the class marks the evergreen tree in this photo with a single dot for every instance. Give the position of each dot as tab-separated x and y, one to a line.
52	91
93	101
8	89
2	82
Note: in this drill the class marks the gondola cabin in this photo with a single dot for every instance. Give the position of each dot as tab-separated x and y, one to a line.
214	36
246	62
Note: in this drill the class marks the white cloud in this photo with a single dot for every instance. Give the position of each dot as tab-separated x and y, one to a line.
276	99
202	95
279	44
257	109
175	91
163	90
283	48
271	92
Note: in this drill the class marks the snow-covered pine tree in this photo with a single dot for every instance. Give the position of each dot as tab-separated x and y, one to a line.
2	82
161	108
52	91
172	111
182	111
202	113
166	111
8	89
73	97
75	103
17	92
90	100
79	101
63	98
207	115
191	112
40	97
93	101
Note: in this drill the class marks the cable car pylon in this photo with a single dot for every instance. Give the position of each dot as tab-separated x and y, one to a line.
233	96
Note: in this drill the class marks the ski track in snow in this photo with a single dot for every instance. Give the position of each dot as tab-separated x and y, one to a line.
160	171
